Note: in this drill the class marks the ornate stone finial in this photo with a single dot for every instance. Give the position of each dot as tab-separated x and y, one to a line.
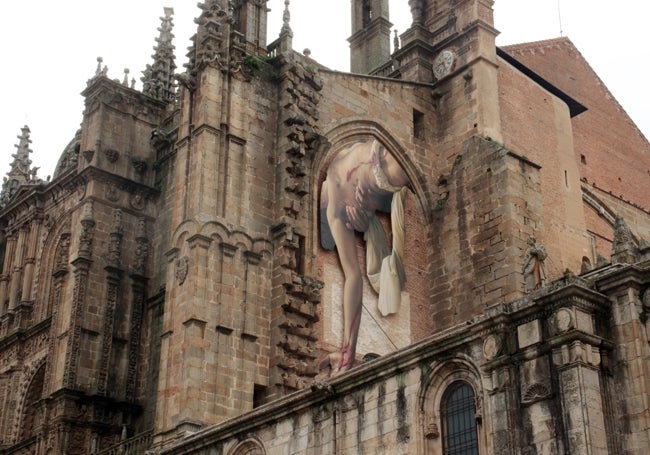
158	78
396	43
125	81
98	71
286	17
286	35
21	172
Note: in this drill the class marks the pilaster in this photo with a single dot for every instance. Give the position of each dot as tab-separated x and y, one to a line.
81	269
629	367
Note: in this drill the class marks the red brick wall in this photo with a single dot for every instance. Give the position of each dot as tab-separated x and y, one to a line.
611	151
536	125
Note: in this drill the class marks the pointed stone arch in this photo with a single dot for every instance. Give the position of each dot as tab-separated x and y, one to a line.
364	128
30	394
54	252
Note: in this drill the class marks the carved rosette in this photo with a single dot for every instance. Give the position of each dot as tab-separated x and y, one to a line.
137	201
562	321
112	193
492	346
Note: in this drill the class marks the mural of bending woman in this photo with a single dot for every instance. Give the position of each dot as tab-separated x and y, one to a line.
362	179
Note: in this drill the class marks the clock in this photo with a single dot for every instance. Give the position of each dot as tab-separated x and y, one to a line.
444	63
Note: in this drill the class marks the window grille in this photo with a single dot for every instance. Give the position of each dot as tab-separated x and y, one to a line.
458	413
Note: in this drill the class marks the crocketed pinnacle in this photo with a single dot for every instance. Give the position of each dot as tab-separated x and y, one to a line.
22	172
208	41
158	78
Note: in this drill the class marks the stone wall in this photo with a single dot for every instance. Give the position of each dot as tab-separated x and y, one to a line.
537	389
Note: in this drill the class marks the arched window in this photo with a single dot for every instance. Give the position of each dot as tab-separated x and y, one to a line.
458	416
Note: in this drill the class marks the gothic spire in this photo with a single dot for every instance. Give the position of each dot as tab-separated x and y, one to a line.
158	78
22	172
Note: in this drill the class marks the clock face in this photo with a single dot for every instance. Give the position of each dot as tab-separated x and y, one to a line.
444	63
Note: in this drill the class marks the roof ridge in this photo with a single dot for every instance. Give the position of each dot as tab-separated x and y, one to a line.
537	44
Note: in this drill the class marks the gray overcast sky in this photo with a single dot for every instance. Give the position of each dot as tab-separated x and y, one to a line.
49	49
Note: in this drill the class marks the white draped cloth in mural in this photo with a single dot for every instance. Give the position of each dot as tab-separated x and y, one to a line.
384	265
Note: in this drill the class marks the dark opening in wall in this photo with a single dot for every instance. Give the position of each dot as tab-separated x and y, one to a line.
259	392
418	124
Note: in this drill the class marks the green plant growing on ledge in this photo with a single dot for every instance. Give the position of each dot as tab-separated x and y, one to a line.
252	62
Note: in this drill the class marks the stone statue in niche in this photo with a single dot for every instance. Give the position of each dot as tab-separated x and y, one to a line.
182	267
533	268
363	178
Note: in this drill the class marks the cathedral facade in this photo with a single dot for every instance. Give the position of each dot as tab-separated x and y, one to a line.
442	251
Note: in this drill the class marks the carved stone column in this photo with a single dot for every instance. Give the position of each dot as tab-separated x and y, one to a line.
59	275
4	305
501	394
6	317
113	280
17	269
576	357
138	287
629	368
81	267
30	259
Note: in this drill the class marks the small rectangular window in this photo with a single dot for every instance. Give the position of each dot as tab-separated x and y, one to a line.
418	124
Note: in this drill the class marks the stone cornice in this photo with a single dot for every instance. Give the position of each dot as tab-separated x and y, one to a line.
22	335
